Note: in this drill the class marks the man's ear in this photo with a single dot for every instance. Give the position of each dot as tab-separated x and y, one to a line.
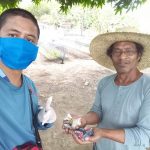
139	57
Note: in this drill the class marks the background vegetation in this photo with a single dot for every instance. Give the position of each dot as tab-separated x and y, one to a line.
118	5
99	20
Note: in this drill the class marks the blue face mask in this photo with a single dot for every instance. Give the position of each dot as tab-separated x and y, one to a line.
17	53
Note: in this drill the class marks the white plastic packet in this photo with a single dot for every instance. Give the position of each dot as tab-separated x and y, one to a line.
47	113
70	122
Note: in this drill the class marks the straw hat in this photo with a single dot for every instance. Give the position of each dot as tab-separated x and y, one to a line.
101	43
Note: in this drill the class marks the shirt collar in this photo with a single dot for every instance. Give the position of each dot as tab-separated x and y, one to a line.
2	74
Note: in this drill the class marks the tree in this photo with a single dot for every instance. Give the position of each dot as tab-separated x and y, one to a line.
119	5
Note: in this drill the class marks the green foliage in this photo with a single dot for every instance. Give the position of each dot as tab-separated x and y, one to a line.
4	4
51	53
40	10
119	5
65	5
99	20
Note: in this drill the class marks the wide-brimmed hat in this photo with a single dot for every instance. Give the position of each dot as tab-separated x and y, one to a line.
102	42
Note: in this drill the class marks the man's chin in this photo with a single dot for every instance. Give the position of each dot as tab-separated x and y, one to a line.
122	70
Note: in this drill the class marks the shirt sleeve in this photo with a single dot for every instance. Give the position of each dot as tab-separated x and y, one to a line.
140	134
97	103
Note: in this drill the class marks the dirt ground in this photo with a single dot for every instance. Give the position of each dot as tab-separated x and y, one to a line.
73	86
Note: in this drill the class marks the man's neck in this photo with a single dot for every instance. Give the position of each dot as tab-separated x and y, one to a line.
127	78
14	76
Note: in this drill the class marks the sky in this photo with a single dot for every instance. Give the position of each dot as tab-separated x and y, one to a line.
26	2
142	15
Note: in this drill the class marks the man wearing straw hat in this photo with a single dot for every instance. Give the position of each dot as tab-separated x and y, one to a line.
122	103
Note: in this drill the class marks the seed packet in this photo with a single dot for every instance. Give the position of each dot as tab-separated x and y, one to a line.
84	134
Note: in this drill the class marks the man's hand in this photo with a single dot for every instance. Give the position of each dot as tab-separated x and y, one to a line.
72	122
83	122
117	135
97	135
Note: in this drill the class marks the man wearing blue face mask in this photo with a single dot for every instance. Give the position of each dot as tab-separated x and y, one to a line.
19	121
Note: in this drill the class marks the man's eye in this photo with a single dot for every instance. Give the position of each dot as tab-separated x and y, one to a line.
12	35
30	40
116	52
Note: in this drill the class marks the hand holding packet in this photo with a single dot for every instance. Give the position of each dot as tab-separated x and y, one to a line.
84	134
72	123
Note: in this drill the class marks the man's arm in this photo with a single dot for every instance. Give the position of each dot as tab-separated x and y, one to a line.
90	118
138	135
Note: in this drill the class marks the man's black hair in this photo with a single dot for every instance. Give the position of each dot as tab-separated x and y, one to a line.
18	12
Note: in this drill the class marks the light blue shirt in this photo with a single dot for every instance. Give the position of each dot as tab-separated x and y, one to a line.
124	107
16	124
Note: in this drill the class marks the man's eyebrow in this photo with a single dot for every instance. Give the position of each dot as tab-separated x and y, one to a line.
14	30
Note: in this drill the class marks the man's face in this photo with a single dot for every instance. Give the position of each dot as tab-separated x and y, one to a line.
17	26
125	57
